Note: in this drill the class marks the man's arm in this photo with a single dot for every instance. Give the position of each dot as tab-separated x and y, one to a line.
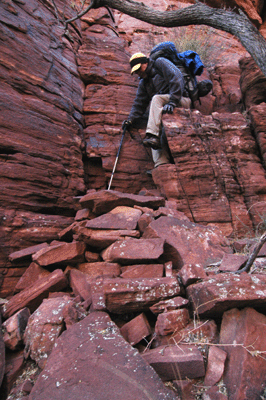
140	103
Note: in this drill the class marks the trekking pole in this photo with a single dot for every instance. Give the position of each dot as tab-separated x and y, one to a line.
121	141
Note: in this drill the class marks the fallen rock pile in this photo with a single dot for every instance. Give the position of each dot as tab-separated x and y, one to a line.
134	301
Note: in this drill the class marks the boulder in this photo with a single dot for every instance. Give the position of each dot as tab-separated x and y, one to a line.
25	254
101	238
100	365
44	326
14	328
186	242
194	332
34	295
134	251
191	273
243	336
215	366
80	284
214	295
129	295
214	393
63	253
14	364
103	201
118	218
30	276
232	262
136	329
176	362
171	321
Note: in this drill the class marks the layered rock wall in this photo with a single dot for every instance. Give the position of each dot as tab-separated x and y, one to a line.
63	99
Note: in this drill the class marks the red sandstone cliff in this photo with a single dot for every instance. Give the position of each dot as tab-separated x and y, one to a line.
63	102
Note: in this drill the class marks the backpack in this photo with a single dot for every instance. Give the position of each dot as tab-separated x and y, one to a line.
189	63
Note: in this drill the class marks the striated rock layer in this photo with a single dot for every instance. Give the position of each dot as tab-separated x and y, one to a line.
63	100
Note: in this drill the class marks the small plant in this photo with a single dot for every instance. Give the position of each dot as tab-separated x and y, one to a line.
203	40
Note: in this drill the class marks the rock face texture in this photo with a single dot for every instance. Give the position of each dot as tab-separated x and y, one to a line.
133	267
94	333
63	99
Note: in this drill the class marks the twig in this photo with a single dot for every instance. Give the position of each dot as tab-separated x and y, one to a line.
253	255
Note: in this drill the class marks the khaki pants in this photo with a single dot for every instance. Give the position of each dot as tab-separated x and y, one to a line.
158	101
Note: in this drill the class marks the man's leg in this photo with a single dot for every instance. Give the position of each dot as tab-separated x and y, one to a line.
163	155
155	113
155	118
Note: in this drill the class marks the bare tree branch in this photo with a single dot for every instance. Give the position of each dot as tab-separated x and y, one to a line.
198	14
253	255
81	13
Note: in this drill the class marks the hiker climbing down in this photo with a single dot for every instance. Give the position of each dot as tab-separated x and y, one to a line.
167	80
162	87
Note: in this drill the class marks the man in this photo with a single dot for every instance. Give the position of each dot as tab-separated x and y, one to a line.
161	88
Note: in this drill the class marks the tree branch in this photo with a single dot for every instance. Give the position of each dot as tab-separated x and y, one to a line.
253	255
198	14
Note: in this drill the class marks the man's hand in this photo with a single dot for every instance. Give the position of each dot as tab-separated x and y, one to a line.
168	108
126	124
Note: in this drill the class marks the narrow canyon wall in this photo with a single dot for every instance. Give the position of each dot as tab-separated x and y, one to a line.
41	168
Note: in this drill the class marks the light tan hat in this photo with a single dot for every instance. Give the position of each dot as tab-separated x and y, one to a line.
136	60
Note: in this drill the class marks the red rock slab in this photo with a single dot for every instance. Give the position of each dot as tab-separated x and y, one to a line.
30	276
2	353
186	388
27	252
168	305
34	295
176	362
101	268
126	295
44	326
195	331
188	243
191	273
214	295
14	367
83	214
65	253
92	257
136	329
142	271
214	393
120	217
104	201
245	370
100	239
92	360
215	366
80	284
134	251
171	321
144	221
14	328
232	262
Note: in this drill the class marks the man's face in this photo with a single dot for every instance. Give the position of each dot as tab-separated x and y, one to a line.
141	72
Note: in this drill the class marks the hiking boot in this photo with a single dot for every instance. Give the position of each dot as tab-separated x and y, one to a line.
152	141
